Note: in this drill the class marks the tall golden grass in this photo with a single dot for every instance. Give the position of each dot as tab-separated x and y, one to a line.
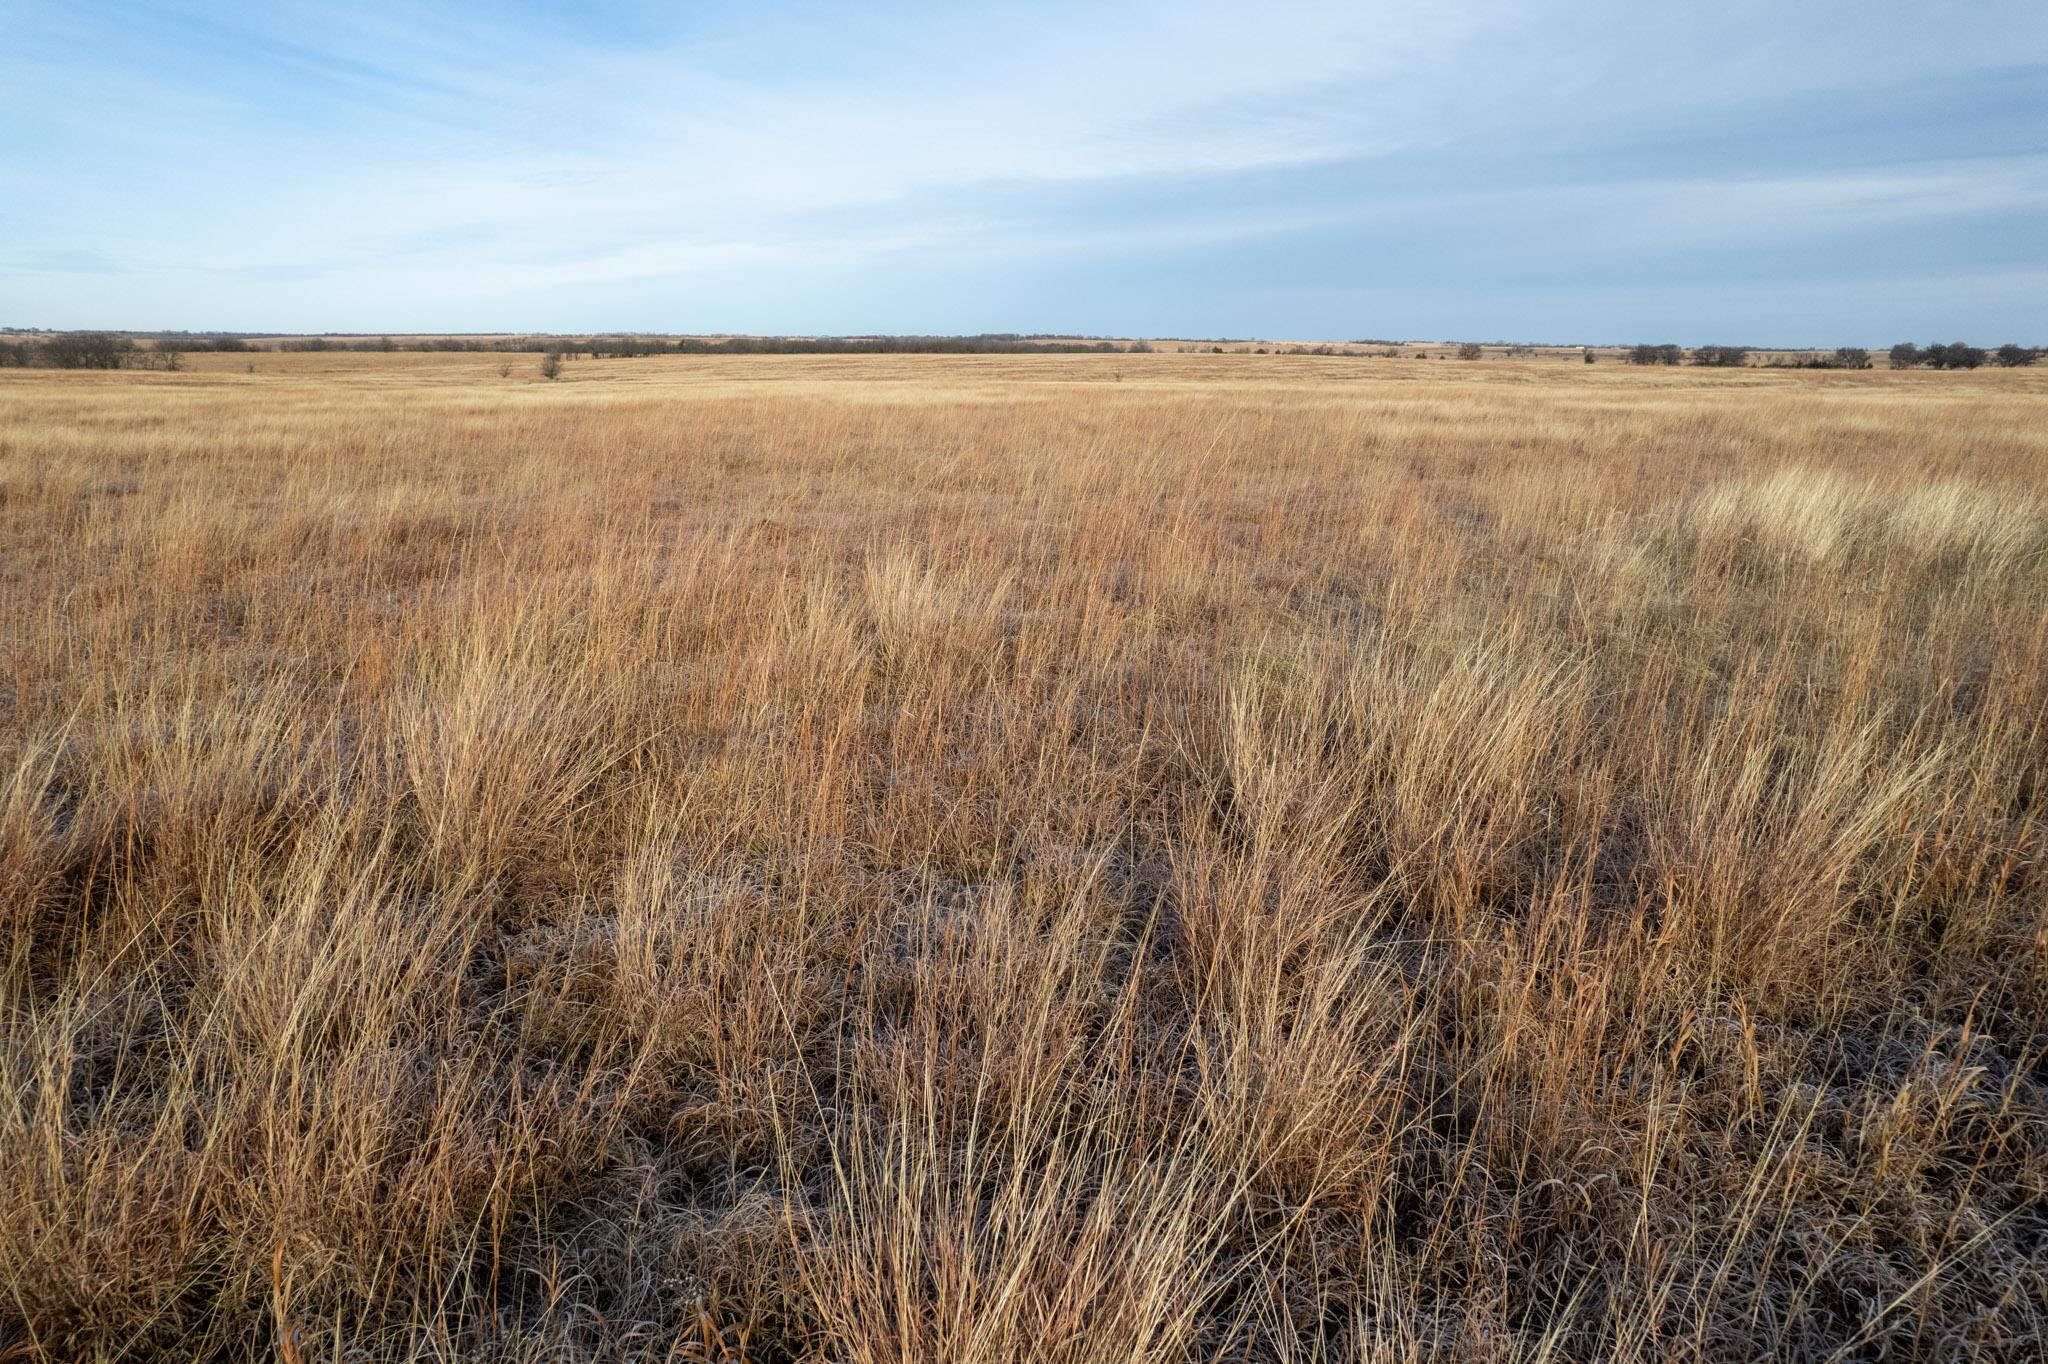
1028	858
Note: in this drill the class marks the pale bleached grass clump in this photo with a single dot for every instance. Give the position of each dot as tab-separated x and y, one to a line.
914	858
1818	517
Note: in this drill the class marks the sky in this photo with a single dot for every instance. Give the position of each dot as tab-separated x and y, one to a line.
1816	173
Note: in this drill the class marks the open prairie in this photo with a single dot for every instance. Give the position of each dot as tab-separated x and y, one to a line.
1133	857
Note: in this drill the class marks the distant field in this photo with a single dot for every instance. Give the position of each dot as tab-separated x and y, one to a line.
1067	858
1378	350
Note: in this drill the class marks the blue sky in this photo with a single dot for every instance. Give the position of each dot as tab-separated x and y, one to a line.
1770	173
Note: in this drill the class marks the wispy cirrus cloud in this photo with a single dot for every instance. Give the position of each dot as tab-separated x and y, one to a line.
818	167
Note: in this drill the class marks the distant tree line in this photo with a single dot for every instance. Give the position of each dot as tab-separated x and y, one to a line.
1905	355
1714	357
106	350
459	344
113	350
109	350
993	343
71	350
622	347
1843	357
1961	355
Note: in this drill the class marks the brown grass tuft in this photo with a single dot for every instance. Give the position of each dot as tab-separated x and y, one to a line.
914	859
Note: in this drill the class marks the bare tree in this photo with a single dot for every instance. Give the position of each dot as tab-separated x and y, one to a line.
86	350
1954	355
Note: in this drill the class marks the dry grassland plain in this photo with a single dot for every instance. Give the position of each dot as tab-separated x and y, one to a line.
1022	858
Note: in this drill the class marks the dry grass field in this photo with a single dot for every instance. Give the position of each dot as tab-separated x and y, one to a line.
958	860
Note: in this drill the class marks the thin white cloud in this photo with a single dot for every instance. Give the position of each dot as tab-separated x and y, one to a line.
414	158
